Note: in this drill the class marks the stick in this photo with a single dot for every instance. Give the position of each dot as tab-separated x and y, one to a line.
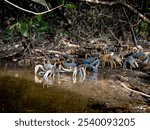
138	92
32	12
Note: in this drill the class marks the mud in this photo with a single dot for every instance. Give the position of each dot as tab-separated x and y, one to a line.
98	93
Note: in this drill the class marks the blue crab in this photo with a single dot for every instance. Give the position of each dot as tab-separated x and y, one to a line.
93	65
131	62
139	55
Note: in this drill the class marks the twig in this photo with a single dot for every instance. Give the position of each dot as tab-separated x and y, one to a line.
138	92
50	51
32	12
131	27
111	32
120	3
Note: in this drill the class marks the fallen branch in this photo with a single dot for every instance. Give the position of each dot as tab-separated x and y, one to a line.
138	92
67	43
49	51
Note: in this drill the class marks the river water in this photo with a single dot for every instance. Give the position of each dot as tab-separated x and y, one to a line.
21	91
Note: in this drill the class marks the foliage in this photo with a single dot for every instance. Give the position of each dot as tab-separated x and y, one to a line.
70	6
35	24
87	19
144	28
42	2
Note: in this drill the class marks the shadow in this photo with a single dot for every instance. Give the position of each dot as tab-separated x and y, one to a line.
103	108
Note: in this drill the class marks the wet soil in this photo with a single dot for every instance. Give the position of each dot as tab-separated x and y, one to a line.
98	93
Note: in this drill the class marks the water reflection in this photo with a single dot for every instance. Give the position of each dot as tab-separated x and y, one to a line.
45	81
50	81
22	91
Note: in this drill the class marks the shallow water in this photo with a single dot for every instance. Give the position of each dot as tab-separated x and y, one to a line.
21	91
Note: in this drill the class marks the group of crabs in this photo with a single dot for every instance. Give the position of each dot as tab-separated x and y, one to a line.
126	57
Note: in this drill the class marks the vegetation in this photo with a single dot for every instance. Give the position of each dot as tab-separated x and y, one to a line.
82	40
77	20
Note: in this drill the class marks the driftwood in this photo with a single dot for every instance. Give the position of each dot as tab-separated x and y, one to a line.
49	51
124	81
138	92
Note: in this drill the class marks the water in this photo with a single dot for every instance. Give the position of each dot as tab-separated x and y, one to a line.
21	91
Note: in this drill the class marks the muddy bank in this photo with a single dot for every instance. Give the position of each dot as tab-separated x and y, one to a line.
22	94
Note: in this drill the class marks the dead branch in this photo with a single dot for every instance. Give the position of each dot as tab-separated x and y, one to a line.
32	12
131	27
138	92
120	3
50	51
122	81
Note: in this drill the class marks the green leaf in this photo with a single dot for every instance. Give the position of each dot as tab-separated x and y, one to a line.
144	26
39	17
42	2
64	33
70	6
25	33
23	29
30	22
13	26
